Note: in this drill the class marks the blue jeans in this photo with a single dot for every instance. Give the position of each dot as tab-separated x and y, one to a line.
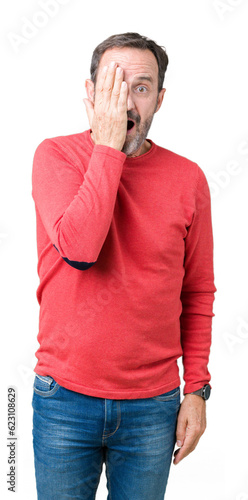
73	434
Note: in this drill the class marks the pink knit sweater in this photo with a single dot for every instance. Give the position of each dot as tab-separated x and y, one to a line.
125	261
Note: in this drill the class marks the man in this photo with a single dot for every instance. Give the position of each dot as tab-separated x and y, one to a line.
125	252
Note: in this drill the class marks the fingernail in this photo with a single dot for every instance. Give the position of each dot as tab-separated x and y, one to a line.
179	444
112	64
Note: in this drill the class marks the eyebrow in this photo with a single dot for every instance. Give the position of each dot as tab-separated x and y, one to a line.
148	78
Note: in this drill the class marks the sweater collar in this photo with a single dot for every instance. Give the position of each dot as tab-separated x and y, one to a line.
129	159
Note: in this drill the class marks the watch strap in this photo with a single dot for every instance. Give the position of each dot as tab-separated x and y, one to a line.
204	392
197	393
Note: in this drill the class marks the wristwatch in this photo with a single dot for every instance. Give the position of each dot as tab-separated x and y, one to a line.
204	392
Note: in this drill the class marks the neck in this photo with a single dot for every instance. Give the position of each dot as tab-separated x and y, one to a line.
142	150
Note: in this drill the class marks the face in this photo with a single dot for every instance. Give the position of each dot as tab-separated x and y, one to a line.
141	75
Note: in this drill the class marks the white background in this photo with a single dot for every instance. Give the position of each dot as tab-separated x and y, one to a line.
203	117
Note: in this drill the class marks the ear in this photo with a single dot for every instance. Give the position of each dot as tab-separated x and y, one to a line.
160	99
90	89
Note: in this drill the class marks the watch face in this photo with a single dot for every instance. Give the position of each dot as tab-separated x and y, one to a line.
207	391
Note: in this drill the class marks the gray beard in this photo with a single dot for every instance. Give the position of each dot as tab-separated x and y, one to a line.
132	144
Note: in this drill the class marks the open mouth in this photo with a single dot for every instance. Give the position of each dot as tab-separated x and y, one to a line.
130	124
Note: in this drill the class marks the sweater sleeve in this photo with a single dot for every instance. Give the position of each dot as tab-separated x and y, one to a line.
76	208
197	295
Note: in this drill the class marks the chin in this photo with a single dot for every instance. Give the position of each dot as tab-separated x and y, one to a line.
132	145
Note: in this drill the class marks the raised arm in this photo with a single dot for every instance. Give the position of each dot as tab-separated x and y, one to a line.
76	209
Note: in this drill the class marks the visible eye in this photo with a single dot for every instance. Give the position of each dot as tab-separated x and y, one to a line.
141	89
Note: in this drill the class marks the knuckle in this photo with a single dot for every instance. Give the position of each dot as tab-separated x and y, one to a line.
198	429
107	89
122	104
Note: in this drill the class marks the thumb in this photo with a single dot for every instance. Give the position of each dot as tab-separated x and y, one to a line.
181	431
89	110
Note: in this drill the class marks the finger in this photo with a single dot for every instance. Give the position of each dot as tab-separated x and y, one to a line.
183	452
100	80
181	430
89	110
109	81
122	102
117	86
188	446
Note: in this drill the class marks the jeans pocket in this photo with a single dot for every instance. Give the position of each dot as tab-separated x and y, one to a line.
168	396
45	386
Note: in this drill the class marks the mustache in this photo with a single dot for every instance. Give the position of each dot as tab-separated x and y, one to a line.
133	116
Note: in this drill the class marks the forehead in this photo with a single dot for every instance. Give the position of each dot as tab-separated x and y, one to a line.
132	61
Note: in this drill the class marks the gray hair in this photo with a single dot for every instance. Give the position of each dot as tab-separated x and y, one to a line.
131	40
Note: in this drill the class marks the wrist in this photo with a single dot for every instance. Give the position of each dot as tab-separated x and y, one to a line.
99	142
195	398
204	392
